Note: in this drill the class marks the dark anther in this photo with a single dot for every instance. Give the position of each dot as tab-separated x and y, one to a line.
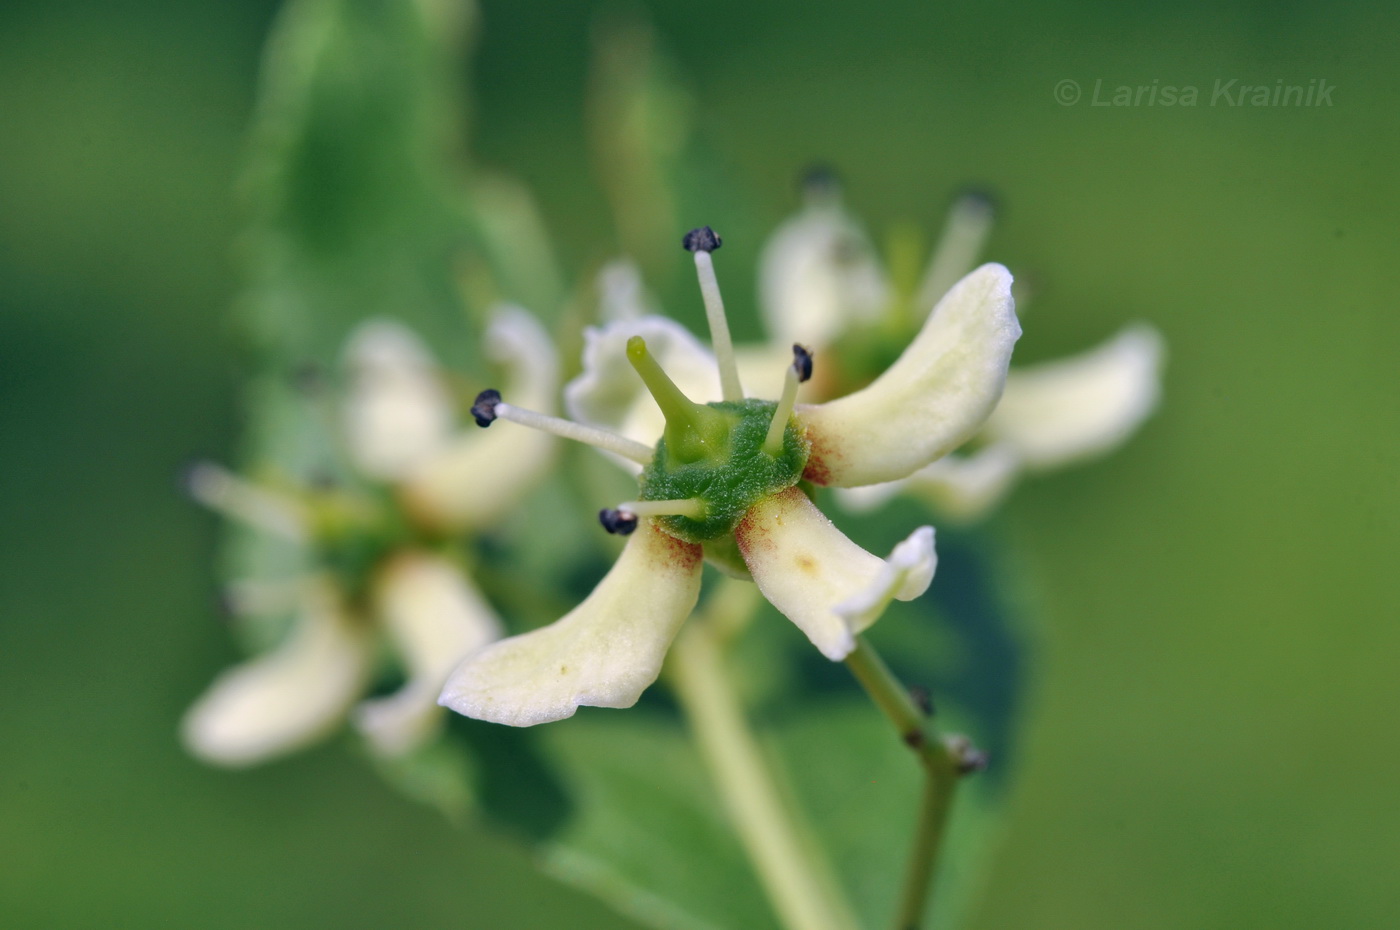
188	477
226	603
619	522
309	379
972	760
820	179
802	361
703	239
922	699
321	480
979	197
914	739
484	410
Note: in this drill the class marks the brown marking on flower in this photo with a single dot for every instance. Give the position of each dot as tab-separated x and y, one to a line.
675	553
753	534
821	459
807	564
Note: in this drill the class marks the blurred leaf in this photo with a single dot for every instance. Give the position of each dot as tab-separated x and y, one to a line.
439	774
356	207
648	834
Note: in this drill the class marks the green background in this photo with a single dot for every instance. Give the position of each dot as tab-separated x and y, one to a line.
1209	737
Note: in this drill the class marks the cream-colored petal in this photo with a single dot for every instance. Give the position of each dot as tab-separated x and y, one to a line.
962	488
397	411
820	580
905	575
604	653
436	618
477	478
1076	408
610	395
818	275
931	400
287	698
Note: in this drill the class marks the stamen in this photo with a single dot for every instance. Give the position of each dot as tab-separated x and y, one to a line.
489	407
968	225
226	493
693	507
618	522
484	409
692	430
702	242
799	371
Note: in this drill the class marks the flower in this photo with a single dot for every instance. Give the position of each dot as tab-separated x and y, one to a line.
821	283
722	484
380	562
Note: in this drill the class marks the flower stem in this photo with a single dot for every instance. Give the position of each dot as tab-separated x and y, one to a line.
942	768
798	884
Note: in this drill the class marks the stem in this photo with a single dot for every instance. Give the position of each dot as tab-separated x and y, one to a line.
568	429
719	327
942	770
797	884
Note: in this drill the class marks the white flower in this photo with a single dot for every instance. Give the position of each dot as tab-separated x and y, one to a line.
1050	415
400	429
721	484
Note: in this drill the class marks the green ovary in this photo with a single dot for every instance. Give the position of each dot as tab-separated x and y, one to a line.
732	478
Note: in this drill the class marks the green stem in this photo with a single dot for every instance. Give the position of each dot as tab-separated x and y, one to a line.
942	769
797	883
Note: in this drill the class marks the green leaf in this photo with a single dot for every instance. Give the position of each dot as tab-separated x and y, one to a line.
353	182
648	834
440	774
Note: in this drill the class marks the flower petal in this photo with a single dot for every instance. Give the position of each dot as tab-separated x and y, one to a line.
288	698
819	274
603	653
608	394
621	293
820	580
452	489
931	400
961	487
398	410
436	618
1076	408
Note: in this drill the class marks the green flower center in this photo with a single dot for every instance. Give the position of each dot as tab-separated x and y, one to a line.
716	455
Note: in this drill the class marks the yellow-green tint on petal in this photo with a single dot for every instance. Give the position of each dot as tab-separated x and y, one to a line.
477	478
288	698
820	580
604	653
1076	408
931	400
434	618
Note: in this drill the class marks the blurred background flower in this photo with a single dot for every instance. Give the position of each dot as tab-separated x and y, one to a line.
1214	619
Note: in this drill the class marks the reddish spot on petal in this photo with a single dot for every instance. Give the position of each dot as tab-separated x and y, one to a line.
821	459
677	553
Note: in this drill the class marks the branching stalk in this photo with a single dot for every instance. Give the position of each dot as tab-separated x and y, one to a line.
942	765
